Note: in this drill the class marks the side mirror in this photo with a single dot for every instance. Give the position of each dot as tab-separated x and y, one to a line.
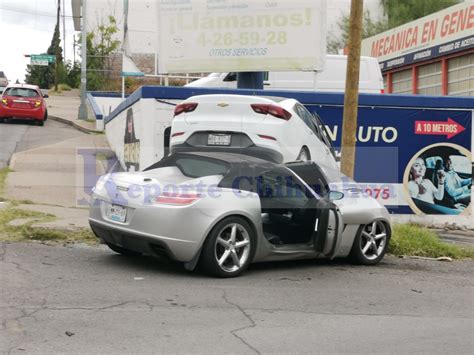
45	96
335	195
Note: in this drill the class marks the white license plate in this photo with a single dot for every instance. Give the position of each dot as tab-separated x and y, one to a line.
218	139
115	213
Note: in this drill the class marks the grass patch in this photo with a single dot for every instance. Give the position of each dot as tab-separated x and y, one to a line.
414	240
28	233
3	178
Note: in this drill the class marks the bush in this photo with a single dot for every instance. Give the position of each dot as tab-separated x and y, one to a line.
411	239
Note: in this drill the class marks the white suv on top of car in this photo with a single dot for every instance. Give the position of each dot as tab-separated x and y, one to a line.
273	128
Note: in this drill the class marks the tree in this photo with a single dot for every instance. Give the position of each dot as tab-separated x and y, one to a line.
43	76
397	12
100	47
369	28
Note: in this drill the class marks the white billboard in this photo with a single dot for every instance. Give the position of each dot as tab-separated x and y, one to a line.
241	35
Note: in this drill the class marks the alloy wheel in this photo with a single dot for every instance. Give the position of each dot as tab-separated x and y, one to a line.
232	247
373	240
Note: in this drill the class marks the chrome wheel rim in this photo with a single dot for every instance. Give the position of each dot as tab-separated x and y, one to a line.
373	240
303	155
232	247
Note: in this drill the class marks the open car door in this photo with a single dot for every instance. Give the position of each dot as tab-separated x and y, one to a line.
328	228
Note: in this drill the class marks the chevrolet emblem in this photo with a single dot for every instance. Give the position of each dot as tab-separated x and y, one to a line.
222	104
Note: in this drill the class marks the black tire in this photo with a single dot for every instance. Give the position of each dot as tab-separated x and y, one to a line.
123	251
376	252
46	115
40	123
304	152
212	248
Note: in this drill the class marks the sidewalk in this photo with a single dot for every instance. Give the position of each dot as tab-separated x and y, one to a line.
65	108
57	178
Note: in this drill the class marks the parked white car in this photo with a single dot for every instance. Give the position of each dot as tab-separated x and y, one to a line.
276	129
331	79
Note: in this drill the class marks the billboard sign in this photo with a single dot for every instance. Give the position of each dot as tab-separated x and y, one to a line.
241	35
402	153
444	32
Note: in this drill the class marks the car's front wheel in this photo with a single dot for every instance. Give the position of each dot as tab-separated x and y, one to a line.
123	251
370	244
229	248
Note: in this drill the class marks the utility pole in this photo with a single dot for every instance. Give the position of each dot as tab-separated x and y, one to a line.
58	43
64	30
351	97
82	107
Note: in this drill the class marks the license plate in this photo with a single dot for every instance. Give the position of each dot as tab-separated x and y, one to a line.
115	213
218	139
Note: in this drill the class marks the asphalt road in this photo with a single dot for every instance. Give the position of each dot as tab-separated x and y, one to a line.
81	299
19	135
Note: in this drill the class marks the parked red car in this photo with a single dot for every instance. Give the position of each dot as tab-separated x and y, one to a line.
23	102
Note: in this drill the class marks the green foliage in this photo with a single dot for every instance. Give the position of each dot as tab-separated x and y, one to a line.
3	178
369	29
410	239
43	76
100	45
27	232
73	77
397	12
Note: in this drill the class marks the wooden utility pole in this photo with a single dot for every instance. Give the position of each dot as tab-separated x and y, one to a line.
351	98
58	42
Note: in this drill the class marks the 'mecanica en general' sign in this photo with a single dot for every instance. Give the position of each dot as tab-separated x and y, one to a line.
444	32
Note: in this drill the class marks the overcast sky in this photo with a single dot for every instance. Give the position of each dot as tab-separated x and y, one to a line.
27	27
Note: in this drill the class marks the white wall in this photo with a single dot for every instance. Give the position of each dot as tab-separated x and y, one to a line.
107	104
150	120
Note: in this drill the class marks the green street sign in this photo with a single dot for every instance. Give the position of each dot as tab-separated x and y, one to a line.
43	58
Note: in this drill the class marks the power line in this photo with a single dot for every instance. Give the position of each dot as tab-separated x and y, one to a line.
32	12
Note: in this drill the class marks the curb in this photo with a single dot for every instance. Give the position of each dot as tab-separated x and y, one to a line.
75	125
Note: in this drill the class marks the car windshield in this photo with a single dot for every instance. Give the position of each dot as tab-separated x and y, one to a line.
21	92
461	164
193	166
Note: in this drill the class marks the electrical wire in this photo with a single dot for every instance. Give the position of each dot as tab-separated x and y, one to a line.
32	12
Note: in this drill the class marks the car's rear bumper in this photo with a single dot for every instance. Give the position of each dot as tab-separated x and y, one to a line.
22	113
149	229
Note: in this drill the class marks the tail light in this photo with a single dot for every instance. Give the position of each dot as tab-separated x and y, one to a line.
271	109
177	199
267	137
176	134
382	91
185	107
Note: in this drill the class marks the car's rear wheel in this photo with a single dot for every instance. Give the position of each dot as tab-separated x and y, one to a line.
370	244
123	251
304	154
46	115
229	248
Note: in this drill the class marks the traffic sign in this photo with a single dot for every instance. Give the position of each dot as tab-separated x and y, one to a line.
42	57
39	62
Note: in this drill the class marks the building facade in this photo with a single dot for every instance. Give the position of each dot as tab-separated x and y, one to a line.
433	55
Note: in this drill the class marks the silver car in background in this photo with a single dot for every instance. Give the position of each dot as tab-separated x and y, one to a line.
225	211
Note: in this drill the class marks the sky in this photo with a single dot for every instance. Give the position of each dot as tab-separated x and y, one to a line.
27	27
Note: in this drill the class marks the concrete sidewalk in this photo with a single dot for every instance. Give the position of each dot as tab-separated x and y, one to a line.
64	107
57	178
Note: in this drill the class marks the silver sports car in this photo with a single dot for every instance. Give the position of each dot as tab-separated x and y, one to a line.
225	211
